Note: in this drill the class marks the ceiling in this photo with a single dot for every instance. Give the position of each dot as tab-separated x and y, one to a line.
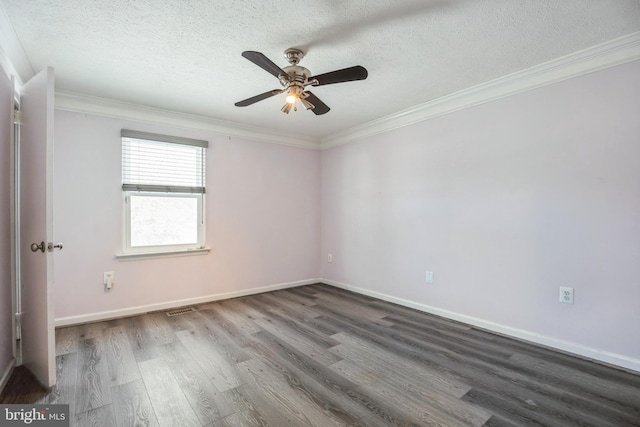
184	55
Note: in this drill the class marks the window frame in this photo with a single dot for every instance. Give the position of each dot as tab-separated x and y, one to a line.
131	189
128	249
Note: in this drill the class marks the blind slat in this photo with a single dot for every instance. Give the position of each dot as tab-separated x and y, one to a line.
160	165
162	188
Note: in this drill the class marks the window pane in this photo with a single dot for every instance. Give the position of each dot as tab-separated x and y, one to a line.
157	220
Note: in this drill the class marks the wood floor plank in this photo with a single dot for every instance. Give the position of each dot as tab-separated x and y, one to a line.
67	340
331	399
385	363
236	420
355	373
93	387
207	401
131	405
313	350
246	413
158	329
98	417
272	407
121	361
527	412
273	302
322	374
64	391
167	399
395	311
222	373
437	399
240	306
235	316
226	337
424	411
92	330
611	393
289	295
341	303
306	329
294	408
141	342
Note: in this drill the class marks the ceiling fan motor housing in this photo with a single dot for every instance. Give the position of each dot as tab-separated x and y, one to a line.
296	74
293	55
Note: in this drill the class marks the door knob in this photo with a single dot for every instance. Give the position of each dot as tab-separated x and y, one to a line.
37	247
51	246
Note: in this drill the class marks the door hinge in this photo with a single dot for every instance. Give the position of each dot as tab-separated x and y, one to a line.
18	317
17	117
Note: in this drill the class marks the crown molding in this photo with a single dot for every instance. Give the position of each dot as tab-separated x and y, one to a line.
79	103
605	55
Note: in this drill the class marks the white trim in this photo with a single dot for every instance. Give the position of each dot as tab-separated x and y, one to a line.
605	55
13	58
132	311
166	254
569	347
7	374
75	102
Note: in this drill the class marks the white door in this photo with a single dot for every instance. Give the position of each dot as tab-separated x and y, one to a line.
36	226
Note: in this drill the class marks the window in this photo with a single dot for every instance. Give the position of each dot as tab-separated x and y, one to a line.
163	183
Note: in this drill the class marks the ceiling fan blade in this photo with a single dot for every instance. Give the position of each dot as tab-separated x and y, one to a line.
319	106
265	63
345	75
257	98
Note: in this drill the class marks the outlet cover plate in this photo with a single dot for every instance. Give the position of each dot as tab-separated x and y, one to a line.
566	295
429	277
108	279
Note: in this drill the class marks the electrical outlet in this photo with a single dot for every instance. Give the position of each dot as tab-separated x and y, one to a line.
329	257
108	279
429	277
566	295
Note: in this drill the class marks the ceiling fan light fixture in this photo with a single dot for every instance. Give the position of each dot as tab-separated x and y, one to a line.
293	94
286	108
291	99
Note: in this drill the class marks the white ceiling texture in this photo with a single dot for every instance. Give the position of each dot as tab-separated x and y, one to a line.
185	55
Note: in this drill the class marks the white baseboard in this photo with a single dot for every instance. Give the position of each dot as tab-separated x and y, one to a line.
618	360
7	373
132	311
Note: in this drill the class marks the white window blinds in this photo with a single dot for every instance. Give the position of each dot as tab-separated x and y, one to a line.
162	163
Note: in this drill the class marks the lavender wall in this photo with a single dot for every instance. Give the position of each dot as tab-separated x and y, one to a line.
6	335
505	202
262	213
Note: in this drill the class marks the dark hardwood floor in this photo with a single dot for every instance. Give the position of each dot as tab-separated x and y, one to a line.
320	356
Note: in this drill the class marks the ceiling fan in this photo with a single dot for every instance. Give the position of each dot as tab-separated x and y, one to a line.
295	79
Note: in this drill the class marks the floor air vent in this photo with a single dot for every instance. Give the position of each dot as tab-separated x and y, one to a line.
180	311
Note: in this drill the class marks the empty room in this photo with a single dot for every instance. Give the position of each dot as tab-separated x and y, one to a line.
350	213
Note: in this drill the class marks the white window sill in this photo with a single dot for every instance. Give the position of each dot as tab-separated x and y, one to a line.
168	254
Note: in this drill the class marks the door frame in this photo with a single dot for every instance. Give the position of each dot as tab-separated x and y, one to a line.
14	168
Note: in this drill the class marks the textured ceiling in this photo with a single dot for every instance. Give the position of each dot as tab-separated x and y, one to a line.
184	55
